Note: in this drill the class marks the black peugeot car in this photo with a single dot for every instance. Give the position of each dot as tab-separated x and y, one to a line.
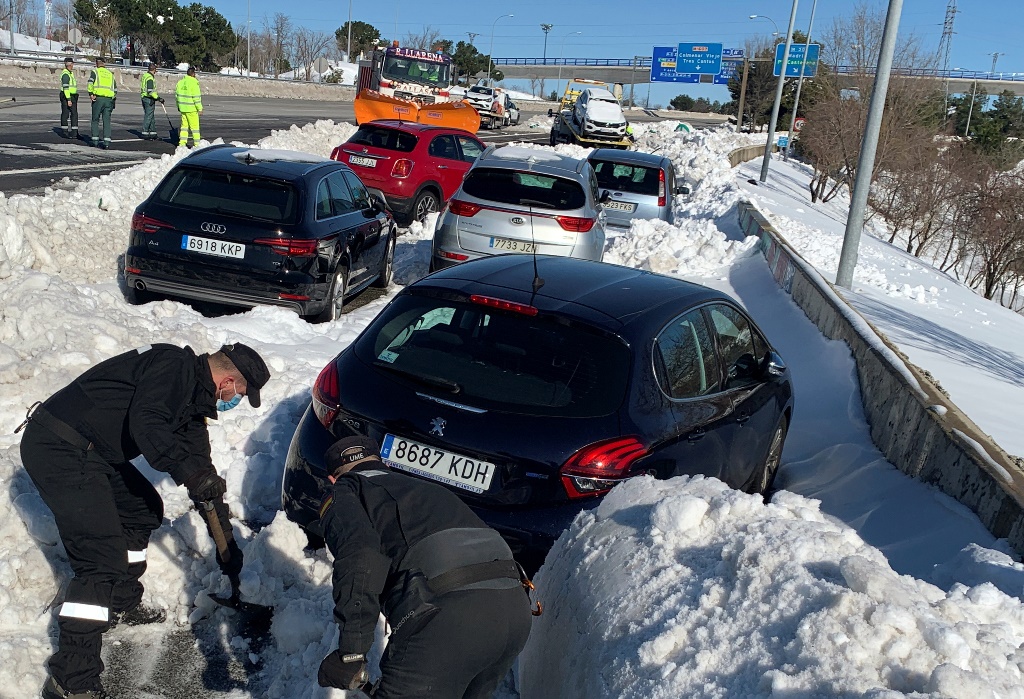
246	226
530	403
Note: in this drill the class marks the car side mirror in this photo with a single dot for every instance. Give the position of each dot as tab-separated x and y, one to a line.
682	189
606	197
551	112
745	367
773	366
377	203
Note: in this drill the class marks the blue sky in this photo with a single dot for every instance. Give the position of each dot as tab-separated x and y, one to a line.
622	29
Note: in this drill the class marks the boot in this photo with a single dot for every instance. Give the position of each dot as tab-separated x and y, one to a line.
139	615
53	690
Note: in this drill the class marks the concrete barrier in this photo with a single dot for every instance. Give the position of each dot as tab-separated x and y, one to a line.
918	428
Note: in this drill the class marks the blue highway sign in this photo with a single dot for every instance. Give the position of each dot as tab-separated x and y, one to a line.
663	67
705	59
796	58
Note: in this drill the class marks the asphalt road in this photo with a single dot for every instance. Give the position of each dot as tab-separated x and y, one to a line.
34	156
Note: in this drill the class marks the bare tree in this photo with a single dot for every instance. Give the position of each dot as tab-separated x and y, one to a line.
309	46
425	40
280	32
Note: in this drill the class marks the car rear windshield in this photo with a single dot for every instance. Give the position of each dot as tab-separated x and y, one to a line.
635	179
524	188
382	137
472	354
230	193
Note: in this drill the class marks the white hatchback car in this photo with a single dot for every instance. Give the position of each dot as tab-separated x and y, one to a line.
598	114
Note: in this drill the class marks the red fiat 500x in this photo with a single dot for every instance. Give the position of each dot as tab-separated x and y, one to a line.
417	166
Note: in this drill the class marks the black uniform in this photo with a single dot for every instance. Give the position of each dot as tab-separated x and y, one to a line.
76	449
446	581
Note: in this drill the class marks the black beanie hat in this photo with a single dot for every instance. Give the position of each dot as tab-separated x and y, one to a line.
347	452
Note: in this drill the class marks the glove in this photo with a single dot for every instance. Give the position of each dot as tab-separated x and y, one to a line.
160	100
205	485
233	566
335	672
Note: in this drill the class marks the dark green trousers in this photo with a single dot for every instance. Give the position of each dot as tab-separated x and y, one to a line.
148	117
101	109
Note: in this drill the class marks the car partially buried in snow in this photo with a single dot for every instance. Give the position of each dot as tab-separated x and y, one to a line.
530	386
248	226
598	114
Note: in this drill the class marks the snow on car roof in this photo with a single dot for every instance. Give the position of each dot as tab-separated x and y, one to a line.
601	93
530	154
276	155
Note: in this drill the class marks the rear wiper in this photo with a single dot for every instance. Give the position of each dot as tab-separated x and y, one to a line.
427	379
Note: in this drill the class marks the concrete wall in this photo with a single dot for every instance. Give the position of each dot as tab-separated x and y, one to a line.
912	421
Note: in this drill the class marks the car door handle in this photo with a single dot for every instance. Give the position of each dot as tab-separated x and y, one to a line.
743	417
696	435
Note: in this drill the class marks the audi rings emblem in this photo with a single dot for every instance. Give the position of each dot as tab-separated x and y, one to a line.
517	220
214	228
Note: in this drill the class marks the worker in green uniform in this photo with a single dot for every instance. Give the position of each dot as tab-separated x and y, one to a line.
103	93
147	89
190	105
69	99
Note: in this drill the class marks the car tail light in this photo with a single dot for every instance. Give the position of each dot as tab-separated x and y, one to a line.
336	153
661	187
503	305
293	297
596	468
453	256
290	247
463	208
575	223
132	270
147	224
385	83
402	168
327	395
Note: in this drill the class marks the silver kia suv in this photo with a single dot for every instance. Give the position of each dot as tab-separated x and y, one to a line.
522	200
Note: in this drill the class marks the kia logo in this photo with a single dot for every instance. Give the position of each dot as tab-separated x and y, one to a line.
214	228
517	220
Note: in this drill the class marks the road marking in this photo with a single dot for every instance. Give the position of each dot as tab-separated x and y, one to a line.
84	166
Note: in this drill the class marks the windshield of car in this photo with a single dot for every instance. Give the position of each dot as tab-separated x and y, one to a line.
541	365
635	179
482	90
381	137
524	188
407	69
230	193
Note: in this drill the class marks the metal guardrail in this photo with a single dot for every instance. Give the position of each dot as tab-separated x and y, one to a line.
58	58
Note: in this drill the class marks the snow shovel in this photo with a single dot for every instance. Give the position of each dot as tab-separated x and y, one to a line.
256	612
174	131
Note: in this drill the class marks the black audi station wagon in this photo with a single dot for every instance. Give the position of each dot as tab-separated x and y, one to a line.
531	391
247	226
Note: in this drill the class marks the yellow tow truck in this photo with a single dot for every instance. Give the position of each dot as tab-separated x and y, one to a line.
563	130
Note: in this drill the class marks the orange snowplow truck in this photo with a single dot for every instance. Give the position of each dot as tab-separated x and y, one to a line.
411	85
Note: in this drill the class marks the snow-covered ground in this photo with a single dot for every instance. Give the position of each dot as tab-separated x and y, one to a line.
29	44
854	581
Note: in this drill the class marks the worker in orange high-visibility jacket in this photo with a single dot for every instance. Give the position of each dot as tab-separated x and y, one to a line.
189	99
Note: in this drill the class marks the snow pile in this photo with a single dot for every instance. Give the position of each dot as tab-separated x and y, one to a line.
743	599
694	247
319	138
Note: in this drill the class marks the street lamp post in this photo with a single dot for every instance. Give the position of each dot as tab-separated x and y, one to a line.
248	40
490	55
546	28
770	20
799	84
995	57
561	56
778	95
348	48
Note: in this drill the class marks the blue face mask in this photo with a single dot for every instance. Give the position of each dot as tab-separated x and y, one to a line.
223	405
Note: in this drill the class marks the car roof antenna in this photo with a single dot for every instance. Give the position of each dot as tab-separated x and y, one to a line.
537	281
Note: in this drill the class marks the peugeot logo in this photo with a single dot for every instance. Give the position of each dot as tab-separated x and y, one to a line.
437	426
517	220
214	228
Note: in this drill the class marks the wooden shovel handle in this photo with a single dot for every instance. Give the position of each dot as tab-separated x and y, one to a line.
217	532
